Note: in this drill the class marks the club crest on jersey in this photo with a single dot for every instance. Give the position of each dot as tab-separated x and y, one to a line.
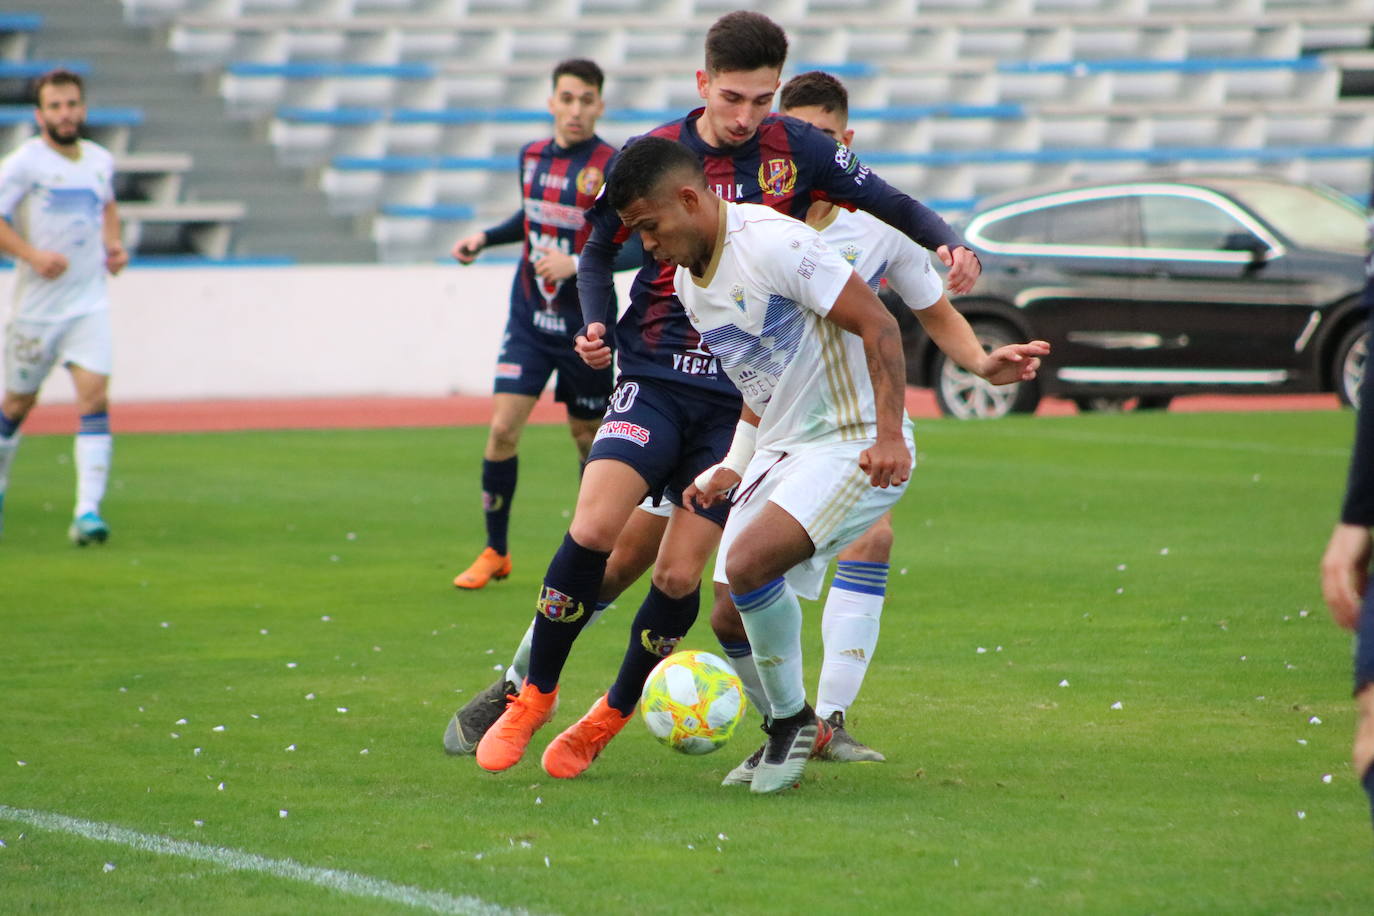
737	296
590	180
850	253
558	607
777	177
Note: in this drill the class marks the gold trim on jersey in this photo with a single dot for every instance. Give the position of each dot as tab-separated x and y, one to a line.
844	391
705	279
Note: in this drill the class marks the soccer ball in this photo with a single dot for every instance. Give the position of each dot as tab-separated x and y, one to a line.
692	702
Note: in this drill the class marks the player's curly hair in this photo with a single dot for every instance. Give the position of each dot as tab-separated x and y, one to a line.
745	40
584	69
641	166
58	77
817	88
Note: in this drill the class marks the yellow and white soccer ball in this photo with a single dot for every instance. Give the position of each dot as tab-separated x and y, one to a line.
693	701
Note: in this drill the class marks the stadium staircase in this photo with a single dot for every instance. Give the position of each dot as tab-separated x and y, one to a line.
216	191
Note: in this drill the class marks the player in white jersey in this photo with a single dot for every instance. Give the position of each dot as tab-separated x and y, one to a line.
854	603
61	225
832	448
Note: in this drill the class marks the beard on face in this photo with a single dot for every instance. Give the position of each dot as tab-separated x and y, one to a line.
64	139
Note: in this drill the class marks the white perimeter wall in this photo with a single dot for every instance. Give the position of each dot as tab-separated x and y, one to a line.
307	331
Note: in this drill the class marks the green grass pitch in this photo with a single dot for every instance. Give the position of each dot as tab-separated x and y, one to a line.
1046	569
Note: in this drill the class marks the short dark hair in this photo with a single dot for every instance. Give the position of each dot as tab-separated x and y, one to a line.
645	163
745	40
58	77
582	68
816	88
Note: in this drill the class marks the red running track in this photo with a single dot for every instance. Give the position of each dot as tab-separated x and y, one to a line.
376	413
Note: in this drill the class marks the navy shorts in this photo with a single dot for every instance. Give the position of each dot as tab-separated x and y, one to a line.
1364	643
528	357
669	433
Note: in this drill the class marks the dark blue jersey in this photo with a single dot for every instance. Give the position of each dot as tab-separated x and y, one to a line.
557	186
786	165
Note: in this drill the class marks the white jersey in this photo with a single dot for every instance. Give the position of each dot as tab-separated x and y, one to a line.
877	252
760	310
58	204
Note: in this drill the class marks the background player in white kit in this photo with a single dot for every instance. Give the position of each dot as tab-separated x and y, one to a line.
62	226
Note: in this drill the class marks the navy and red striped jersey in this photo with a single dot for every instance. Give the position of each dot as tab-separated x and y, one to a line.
557	186
786	165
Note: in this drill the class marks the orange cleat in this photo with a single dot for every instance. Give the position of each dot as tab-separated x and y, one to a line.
488	565
572	752
504	743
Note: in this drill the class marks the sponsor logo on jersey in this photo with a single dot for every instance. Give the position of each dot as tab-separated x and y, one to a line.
737	296
558	607
549	322
777	177
845	158
662	646
508	370
806	268
589	180
732	191
550	180
695	363
559	216
623	429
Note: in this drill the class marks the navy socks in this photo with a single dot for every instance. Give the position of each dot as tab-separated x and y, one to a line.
498	489
567	603
658	628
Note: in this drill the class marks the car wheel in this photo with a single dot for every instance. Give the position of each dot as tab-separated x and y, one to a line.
1101	404
1119	405
1348	362
966	396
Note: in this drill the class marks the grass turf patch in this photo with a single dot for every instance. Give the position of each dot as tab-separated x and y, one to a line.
1163	562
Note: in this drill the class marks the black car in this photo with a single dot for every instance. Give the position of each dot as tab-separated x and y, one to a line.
1155	288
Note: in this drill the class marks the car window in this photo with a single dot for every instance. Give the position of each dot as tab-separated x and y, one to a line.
1032	227
1100	222
1172	221
1107	221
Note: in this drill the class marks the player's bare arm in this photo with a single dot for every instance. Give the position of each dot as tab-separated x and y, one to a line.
466	249
116	258
858	311
712	484
47	264
950	331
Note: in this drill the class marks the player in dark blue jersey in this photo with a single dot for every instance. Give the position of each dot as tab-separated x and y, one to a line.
559	178
673	413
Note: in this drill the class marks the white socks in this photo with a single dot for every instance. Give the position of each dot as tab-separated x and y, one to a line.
7	449
772	618
92	452
849	629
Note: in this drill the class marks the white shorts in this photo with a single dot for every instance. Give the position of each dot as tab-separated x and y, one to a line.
822	488
662	510
32	348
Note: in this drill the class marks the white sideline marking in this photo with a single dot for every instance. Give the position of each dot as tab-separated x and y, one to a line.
344	882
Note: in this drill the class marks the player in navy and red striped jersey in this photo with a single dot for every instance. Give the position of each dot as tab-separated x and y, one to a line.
673	412
559	179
